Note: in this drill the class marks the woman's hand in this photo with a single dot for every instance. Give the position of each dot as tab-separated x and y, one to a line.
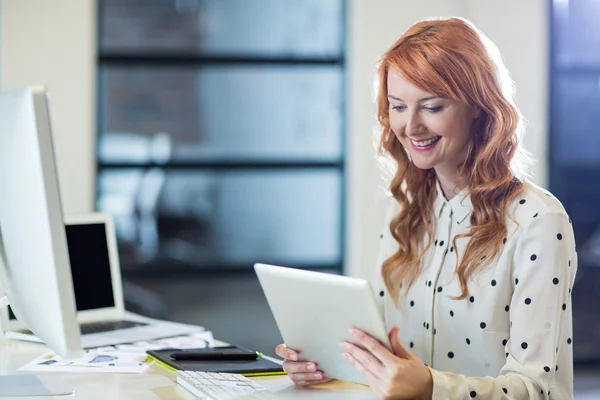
300	372
397	375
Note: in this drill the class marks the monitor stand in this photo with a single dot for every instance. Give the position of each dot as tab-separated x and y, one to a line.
26	385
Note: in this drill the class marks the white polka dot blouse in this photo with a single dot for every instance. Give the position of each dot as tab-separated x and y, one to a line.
511	337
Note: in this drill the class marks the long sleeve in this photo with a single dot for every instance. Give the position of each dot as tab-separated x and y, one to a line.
538	352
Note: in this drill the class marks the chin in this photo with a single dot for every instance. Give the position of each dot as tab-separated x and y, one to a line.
423	164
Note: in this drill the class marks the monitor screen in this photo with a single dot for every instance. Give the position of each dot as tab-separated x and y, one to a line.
90	266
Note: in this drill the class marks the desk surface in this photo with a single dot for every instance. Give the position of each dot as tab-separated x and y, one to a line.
156	383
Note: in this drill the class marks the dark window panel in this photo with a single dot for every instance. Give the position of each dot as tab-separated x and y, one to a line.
575	119
227	113
203	219
221	27
576	33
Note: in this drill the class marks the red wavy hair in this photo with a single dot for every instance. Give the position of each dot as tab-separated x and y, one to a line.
451	58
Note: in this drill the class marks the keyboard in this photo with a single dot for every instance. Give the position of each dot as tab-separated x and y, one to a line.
222	386
107	326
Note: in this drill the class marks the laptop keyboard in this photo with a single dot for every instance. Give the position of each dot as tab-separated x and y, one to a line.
107	326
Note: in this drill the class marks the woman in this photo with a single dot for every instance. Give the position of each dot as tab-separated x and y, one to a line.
477	265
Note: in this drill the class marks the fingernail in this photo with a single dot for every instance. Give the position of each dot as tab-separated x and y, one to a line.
312	367
293	356
343	345
352	331
318	375
346	356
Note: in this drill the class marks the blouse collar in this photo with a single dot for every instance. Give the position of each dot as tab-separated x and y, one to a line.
460	205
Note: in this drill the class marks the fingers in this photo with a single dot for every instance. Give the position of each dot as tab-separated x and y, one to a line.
294	367
286	353
308	383
372	346
304	373
399	349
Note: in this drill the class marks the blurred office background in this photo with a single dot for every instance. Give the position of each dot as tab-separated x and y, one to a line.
219	133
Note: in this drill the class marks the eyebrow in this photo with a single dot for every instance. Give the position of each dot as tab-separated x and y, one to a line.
423	99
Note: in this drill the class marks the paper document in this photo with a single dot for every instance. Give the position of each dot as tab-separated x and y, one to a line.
123	358
92	361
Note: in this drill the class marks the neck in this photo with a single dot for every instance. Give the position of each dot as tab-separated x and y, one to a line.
450	182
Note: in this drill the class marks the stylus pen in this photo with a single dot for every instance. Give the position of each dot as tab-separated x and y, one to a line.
203	356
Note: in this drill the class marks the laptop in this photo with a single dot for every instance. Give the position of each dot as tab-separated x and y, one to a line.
99	291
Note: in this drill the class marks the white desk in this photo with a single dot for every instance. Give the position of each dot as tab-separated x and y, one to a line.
156	383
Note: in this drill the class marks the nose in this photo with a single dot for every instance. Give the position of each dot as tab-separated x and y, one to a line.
414	124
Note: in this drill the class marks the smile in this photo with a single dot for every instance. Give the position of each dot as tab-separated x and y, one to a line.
425	143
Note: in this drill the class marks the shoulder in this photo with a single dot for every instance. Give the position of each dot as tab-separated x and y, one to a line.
535	201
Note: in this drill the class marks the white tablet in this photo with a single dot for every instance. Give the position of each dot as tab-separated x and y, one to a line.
314	311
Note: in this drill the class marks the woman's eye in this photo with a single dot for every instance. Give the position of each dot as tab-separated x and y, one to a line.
434	109
398	108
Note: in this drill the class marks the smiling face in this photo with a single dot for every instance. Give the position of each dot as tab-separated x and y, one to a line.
435	131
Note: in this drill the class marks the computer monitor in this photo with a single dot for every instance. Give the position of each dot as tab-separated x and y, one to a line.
35	272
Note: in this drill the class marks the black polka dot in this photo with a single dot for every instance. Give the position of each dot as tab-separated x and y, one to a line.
524	345
427	326
429	283
412	345
535	215
504	342
569	263
473	394
451	313
412	303
424	323
450	355
523	201
472	299
434	331
505	391
555	281
506	355
441	243
439	289
451	249
528	301
516	281
564	306
533	257
507	308
504	241
381	236
493	282
569	340
556	368
436	242
542	391
381	293
482	325
547	369
468	341
559	236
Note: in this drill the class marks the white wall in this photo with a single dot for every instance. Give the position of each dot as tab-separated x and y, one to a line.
54	43
519	29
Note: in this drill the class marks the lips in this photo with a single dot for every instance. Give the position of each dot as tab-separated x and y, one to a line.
426	142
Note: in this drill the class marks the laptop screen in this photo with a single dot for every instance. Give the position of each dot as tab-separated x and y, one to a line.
90	266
